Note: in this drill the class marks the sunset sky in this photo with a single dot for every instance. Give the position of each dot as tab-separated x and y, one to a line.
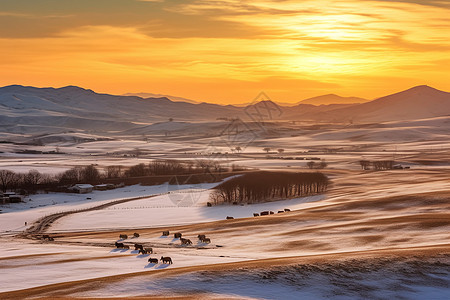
227	51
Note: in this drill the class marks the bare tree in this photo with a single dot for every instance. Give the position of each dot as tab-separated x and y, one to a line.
323	165
6	179
364	164
90	174
311	164
114	171
32	178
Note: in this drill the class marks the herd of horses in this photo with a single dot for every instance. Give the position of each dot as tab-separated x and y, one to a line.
165	260
263	213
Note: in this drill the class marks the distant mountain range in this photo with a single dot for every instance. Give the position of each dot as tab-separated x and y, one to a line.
30	110
332	99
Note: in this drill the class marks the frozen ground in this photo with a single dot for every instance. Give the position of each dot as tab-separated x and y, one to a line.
176	208
13	216
383	279
363	211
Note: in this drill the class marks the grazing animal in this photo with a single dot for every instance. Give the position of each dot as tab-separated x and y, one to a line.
186	241
136	235
271	212
166	259
138	247
142	251
166	233
153	260
255	214
281	211
229	218
149	250
123	236
209	204
120	245
264	213
201	237
287	209
177	235
206	240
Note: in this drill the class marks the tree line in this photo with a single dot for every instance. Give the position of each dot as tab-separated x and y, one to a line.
34	180
266	186
377	165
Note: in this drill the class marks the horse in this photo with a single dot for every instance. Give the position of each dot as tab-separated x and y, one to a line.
153	260
136	235
229	218
142	251
165	233
123	236
264	213
201	237
287	209
119	245
271	212
255	214
138	247
281	211
186	241
149	250
177	235
166	260
206	240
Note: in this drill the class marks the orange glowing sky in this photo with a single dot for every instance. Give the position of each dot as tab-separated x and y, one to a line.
227	51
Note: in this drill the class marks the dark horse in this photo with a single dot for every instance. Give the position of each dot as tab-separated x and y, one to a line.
153	260
166	260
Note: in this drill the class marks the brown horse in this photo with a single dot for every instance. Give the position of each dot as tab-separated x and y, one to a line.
177	235
153	260
206	240
186	241
166	259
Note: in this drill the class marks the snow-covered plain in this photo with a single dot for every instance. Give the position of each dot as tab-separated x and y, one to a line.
175	208
413	280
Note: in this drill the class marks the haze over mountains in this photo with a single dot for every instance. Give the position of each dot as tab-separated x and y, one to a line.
29	110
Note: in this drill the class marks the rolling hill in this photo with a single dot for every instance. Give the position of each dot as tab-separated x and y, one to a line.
34	111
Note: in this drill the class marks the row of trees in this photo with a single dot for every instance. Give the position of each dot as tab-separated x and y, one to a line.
10	180
268	186
377	165
33	180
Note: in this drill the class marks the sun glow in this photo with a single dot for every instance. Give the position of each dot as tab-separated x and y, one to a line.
227	51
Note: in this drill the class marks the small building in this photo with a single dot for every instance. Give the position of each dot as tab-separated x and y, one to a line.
10	197
104	187
82	188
